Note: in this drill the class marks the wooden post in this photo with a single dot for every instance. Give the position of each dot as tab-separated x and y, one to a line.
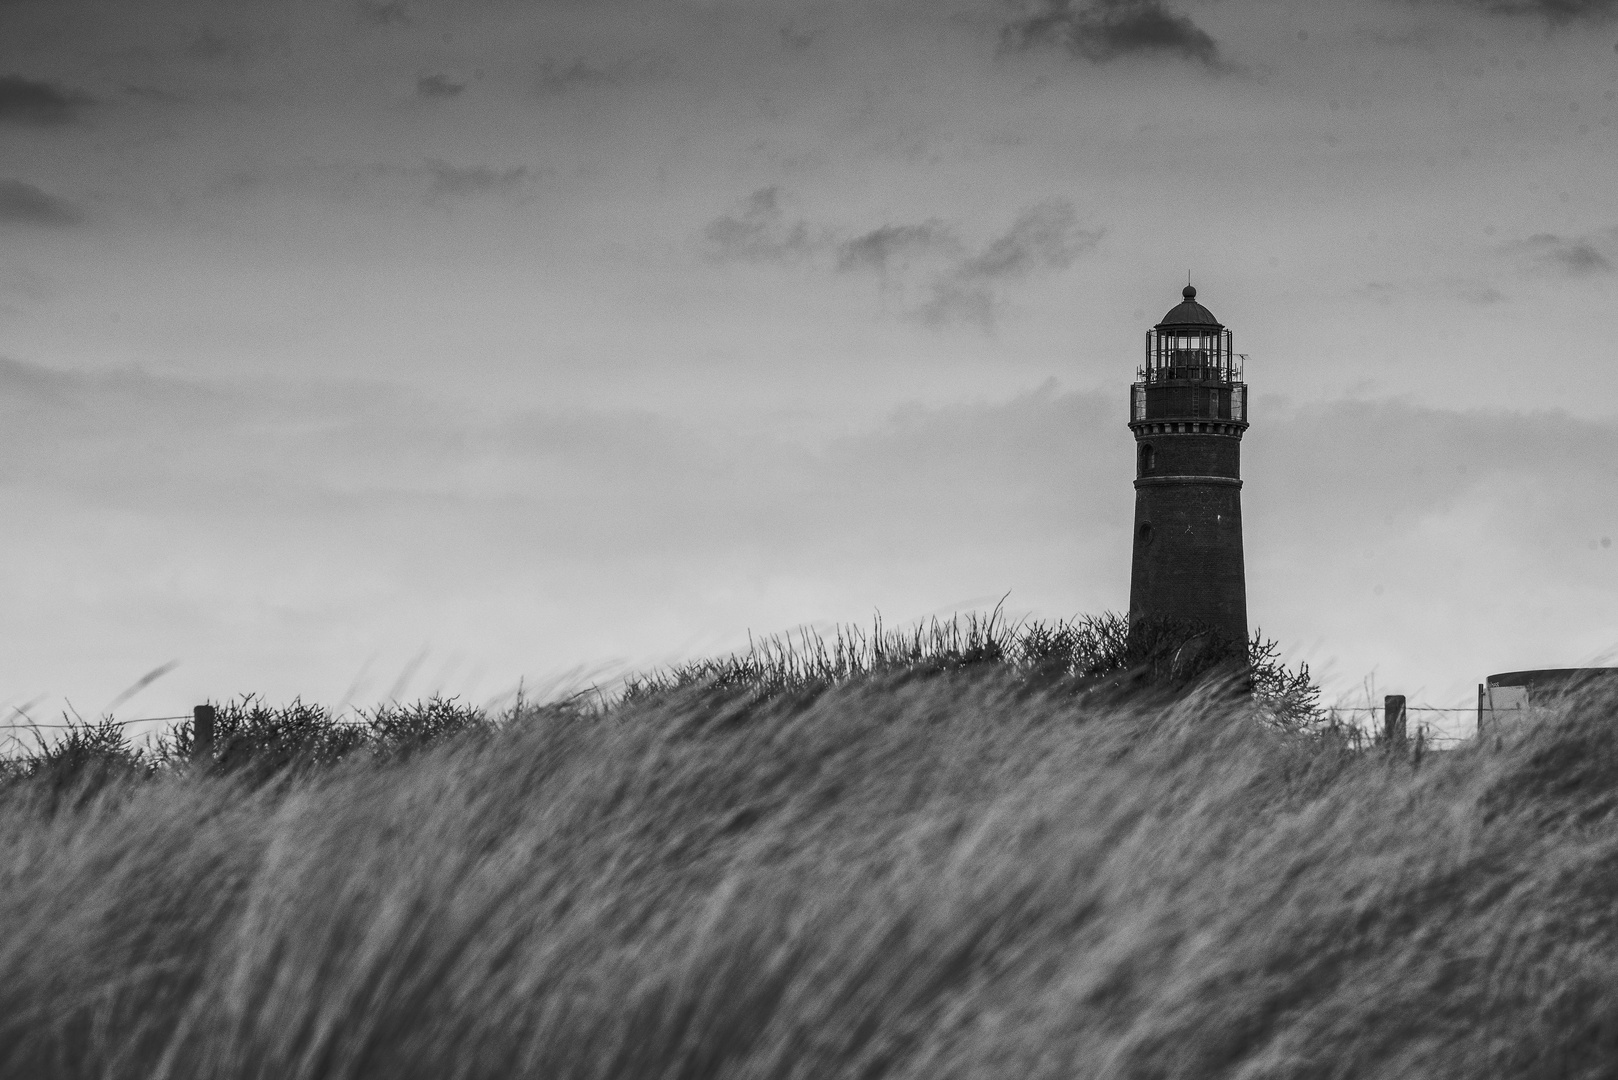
202	718
1393	718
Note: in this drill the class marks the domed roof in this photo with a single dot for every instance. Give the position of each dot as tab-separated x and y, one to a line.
1189	313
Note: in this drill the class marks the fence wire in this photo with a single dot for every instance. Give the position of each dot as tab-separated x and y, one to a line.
30	725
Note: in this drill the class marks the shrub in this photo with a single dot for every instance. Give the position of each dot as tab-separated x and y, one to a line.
77	765
260	741
401	730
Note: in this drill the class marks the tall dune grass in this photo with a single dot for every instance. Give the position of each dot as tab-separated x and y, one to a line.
1088	654
931	877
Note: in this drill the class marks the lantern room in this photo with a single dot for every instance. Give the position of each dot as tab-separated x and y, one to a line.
1192	369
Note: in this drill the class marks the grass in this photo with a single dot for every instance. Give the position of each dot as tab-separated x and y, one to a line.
965	873
1090	654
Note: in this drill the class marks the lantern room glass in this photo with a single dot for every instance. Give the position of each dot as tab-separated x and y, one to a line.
1200	355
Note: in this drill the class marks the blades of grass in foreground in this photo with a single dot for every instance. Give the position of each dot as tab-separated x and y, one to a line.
893	877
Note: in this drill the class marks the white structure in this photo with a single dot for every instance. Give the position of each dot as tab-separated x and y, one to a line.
1512	693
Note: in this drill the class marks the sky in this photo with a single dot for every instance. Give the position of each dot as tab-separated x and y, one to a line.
364	350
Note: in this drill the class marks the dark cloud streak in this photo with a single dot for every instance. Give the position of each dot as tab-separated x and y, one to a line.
961	285
1568	256
210	45
24	204
1045	238
881	247
795	39
438	86
1102	30
1558	12
384	14
40	104
759	232
556	77
456	181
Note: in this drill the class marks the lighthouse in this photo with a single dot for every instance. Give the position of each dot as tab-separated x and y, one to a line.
1188	410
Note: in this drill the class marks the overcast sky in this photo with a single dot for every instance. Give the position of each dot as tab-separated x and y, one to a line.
356	349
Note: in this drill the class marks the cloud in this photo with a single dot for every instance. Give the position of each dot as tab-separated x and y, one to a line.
926	257
1428	291
377	13
438	86
1481	294
1425	36
588	492
26	284
1045	238
43	104
556	77
957	300
795	39
1383	292
25	204
20	379
1559	12
154	94
1102	30
454	181
759	232
881	247
1565	256
211	45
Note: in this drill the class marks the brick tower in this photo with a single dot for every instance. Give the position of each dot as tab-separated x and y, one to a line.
1188	412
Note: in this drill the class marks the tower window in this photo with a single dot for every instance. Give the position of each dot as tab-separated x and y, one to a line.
1143	535
1148	458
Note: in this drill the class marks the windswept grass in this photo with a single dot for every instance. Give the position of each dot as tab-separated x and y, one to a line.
1087	654
957	876
1090	655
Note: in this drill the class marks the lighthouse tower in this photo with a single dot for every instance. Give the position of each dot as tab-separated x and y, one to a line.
1188	410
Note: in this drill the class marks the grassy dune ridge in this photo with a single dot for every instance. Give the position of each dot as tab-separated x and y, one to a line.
949	876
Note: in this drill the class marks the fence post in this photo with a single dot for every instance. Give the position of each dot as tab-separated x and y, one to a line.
202	718
1393	718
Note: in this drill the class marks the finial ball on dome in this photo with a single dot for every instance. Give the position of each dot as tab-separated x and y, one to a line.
1189	292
